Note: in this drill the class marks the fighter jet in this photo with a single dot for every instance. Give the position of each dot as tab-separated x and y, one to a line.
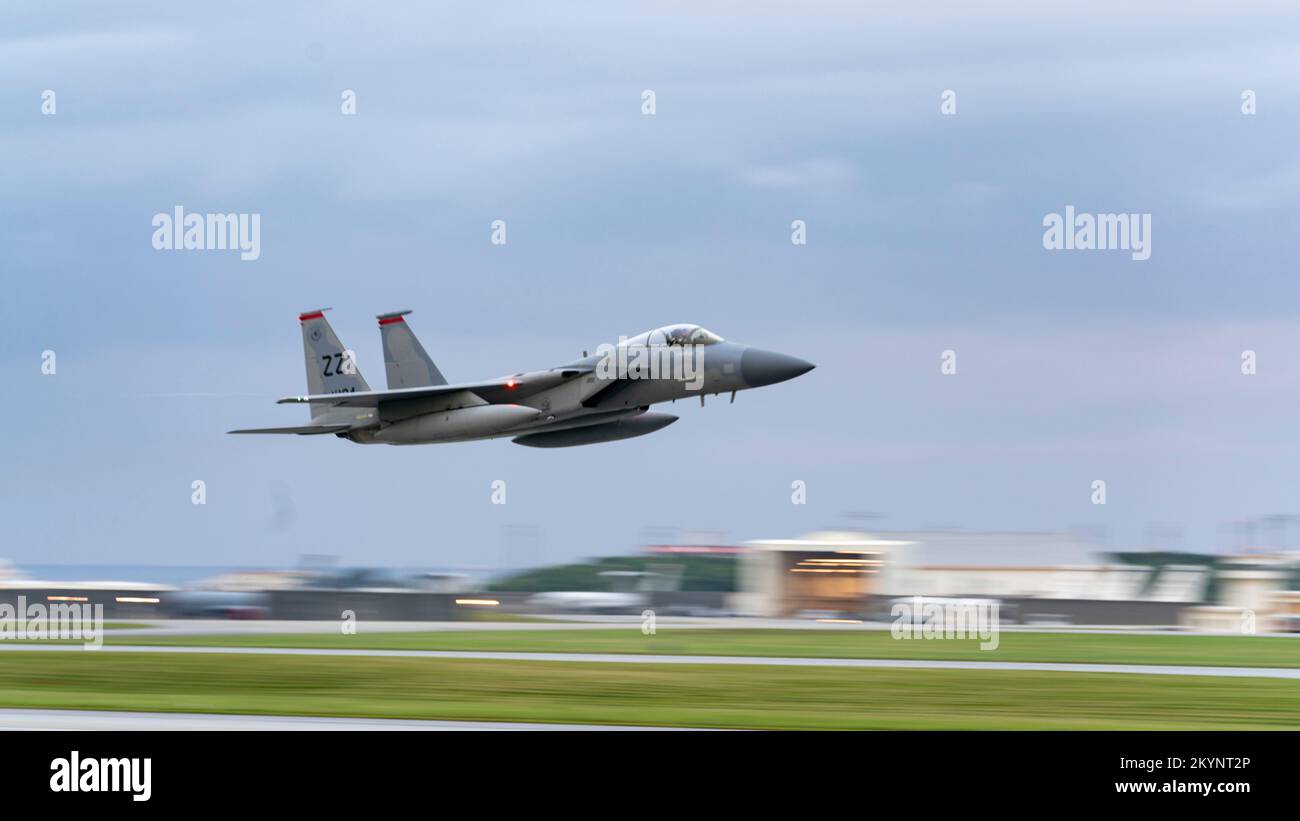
601	397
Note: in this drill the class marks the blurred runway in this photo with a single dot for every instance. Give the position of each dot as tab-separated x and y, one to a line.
199	627
110	720
634	658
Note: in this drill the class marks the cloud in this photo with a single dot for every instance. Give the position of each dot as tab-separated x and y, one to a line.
1250	191
804	174
89	50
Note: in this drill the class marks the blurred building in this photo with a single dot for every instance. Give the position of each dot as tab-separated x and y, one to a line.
120	600
1255	592
1039	577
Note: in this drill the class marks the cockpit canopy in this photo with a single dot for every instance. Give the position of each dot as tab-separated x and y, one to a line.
676	335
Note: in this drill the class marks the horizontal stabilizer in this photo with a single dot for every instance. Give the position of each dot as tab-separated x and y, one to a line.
305	430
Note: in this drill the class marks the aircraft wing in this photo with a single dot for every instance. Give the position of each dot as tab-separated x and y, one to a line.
493	391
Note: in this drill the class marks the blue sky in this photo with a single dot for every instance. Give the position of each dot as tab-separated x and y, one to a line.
924	234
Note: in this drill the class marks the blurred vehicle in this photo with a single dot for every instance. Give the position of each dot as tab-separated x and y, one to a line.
589	601
219	604
1287	622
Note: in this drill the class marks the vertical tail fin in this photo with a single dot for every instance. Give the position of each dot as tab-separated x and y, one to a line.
405	361
331	368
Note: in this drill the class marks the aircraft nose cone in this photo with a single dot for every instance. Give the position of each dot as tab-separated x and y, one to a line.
759	367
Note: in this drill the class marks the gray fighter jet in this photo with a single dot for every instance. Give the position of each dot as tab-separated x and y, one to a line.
599	398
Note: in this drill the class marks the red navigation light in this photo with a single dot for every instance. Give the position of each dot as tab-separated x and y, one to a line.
511	384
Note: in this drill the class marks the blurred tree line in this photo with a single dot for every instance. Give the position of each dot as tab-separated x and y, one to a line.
712	573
